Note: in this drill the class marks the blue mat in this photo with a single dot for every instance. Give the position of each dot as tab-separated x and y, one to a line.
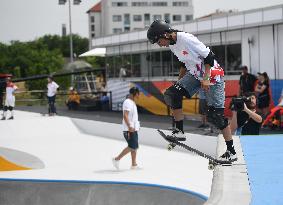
264	158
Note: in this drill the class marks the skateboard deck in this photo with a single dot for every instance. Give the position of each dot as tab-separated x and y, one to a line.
173	142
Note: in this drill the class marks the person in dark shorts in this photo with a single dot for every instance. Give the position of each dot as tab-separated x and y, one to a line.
247	81
131	126
262	91
248	120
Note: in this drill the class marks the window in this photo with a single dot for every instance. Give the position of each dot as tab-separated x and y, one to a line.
189	17
127	20
161	3
155	17
139	4
167	18
177	18
119	4
127	28
92	20
116	18
117	30
147	20
180	3
92	28
137	18
229	57
93	35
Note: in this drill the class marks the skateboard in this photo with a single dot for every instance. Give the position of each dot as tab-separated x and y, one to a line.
212	162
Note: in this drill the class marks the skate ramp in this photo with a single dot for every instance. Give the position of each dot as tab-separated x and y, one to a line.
90	193
148	136
77	168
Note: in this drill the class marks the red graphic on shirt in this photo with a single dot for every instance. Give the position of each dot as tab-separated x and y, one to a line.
185	53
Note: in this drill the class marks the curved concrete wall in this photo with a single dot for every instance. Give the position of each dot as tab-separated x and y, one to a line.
147	136
93	193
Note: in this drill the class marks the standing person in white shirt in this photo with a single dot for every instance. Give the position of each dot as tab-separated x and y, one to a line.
198	69
131	125
51	95
10	99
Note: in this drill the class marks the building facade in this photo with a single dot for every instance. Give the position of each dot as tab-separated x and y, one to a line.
118	16
253	38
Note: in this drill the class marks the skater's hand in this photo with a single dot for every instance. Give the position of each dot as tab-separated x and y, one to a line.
205	84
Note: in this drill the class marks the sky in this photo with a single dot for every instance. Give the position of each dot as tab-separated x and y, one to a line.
27	20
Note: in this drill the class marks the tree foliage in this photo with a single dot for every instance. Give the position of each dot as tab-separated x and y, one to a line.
45	55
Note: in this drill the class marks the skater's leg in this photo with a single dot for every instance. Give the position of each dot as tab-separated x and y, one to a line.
134	157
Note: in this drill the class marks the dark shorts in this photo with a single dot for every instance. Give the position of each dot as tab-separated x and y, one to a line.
202	106
132	140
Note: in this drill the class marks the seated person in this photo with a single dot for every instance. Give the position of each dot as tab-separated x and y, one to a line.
73	100
104	99
274	117
247	119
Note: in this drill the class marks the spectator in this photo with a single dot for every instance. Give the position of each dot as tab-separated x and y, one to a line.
247	81
104	99
10	99
274	118
131	126
202	109
262	92
247	119
51	95
73	100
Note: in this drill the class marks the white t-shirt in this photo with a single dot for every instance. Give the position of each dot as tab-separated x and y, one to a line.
10	98
192	52
130	105
52	89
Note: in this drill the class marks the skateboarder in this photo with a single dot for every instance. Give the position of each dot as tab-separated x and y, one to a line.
51	95
131	126
198	69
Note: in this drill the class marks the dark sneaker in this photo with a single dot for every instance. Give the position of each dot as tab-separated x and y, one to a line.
3	118
201	126
228	156
178	135
11	118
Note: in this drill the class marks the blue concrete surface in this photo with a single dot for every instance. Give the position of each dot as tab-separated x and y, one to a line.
264	158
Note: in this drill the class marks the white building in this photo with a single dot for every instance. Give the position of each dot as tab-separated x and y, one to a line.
253	38
118	16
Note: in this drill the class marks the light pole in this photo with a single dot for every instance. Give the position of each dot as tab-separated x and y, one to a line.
76	2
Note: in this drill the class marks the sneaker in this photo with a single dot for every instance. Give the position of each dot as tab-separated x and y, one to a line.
228	156
11	118
115	163
3	118
136	167
178	135
201	126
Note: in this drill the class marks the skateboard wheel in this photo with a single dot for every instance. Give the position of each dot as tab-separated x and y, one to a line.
211	165
170	147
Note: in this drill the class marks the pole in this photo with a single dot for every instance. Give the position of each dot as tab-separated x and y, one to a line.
71	36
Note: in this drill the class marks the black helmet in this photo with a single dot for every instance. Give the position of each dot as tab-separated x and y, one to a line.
157	30
134	91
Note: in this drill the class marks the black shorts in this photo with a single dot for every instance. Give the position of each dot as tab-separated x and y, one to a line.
132	140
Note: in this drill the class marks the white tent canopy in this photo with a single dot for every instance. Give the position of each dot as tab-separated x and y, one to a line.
94	52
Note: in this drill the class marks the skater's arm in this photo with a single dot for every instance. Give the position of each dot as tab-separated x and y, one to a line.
182	72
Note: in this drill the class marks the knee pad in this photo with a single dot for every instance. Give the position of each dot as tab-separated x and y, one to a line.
5	108
173	96
10	108
217	118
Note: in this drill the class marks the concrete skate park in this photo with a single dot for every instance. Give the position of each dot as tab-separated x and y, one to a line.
64	160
